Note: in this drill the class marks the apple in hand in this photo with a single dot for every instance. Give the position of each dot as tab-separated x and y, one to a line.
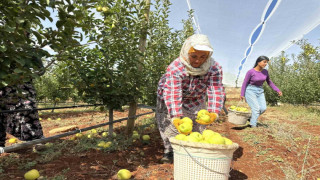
187	120
205	118
124	174
185	127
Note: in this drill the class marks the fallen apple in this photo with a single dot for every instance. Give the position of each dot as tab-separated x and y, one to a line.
135	136
79	135
12	140
32	174
146	137
104	134
124	174
59	119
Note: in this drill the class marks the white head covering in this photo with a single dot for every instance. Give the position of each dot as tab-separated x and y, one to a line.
199	42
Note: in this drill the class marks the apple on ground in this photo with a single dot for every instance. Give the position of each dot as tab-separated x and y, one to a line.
135	136
79	135
104	134
12	140
32	174
146	137
124	174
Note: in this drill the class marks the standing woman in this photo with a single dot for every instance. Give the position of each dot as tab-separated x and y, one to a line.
183	90
252	89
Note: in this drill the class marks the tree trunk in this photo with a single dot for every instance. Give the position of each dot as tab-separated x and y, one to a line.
142	48
111	124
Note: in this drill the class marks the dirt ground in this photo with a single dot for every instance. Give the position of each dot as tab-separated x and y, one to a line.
268	159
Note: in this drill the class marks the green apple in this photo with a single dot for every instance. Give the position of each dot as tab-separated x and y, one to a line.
59	119
233	107
197	135
146	137
32	174
227	141
49	119
124	174
135	136
101	143
114	134
105	9
152	126
185	127
79	135
93	131
205	118
99	8
206	134
191	139
187	120
181	137
216	140
135	132
104	134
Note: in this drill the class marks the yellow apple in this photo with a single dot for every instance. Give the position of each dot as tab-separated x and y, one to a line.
73	138
93	131
216	140
59	119
187	120
101	144
32	174
135	136
146	137
196	135
104	134
205	118
181	137
206	134
12	140
227	141
79	135
152	126
202	112
135	132
99	8
191	139
49	119
105	9
185	127
124	174
40	119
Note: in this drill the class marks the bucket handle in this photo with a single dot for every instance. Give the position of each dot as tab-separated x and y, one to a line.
225	174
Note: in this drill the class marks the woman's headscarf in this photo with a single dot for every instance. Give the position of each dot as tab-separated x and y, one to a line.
198	42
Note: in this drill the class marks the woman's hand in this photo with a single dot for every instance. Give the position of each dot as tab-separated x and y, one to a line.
242	98
280	93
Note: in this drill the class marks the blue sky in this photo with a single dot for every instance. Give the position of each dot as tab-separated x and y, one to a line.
229	24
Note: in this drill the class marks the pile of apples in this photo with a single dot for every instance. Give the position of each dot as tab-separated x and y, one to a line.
238	108
207	136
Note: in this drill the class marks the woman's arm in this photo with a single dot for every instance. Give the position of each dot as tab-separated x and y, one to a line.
245	83
215	90
172	94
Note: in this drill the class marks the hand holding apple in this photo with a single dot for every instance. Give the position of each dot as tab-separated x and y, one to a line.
204	117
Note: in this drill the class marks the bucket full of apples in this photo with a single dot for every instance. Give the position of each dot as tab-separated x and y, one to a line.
238	115
205	155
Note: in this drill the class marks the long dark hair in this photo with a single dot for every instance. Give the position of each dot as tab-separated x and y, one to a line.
260	58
